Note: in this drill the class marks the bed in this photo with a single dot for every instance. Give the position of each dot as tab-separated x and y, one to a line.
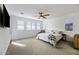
46	37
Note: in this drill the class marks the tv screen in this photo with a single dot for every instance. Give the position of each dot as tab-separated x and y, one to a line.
1	17
4	17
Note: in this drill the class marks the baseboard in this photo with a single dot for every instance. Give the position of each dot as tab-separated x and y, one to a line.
23	38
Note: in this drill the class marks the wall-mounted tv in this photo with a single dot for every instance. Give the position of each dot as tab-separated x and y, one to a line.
1	16
4	17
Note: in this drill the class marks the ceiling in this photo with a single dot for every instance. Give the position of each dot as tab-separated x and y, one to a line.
31	10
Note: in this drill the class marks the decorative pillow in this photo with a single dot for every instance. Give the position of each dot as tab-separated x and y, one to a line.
54	32
51	37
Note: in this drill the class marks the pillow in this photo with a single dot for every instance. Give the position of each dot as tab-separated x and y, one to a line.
56	32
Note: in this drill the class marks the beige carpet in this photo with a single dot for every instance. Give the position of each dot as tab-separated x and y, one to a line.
33	46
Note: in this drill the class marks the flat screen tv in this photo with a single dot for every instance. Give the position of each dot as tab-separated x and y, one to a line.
1	16
4	17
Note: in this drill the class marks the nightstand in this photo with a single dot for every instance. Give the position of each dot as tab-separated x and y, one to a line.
76	41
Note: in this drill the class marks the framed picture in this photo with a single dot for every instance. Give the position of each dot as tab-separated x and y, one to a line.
69	26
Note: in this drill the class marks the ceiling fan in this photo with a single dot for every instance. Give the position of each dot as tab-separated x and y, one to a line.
42	15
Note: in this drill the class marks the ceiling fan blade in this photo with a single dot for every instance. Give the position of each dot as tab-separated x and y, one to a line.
46	15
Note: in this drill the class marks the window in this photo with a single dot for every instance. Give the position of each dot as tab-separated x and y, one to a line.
20	25
33	26
38	26
28	25
69	24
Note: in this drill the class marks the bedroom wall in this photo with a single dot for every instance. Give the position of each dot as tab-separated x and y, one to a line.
18	34
4	39
75	17
58	23
54	24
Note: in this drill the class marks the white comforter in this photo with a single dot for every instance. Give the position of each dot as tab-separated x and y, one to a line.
44	36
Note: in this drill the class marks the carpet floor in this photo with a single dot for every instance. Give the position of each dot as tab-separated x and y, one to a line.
33	46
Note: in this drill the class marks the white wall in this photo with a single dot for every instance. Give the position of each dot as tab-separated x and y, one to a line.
58	23
4	39
54	24
18	34
75	17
